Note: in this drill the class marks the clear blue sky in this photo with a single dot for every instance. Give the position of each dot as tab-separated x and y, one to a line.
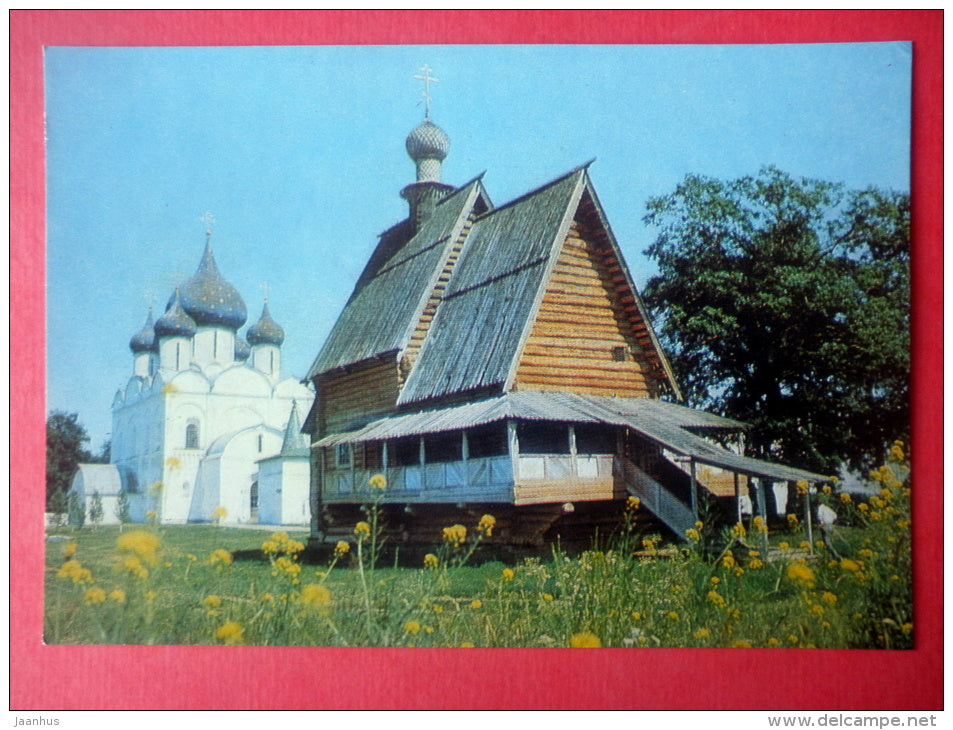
298	152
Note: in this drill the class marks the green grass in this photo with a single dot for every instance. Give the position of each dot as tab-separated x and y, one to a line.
171	585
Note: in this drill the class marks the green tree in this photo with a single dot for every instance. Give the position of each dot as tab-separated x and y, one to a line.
65	439
76	510
784	302
96	509
122	509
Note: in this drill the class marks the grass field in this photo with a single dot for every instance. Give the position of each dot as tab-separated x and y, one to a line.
205	584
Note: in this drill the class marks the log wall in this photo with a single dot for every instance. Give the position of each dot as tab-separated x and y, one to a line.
367	390
583	338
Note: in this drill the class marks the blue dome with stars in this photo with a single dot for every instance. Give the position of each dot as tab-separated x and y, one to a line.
210	300
265	331
175	322
145	339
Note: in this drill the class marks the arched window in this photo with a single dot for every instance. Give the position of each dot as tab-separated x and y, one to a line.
192	435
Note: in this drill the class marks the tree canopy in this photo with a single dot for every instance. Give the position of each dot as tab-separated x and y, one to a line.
65	439
784	303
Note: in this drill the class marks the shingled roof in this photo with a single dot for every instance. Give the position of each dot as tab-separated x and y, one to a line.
394	286
488	307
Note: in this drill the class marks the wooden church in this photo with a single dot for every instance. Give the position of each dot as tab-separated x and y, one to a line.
499	360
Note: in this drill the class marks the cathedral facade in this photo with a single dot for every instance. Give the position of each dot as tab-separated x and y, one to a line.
203	411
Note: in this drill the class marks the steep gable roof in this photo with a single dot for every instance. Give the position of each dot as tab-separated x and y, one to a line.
481	321
487	312
395	284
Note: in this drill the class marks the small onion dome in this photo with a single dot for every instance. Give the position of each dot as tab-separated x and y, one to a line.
145	339
175	322
427	141
209	299
242	350
265	331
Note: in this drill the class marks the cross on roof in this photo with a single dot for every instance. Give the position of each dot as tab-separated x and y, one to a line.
265	288
426	78
208	219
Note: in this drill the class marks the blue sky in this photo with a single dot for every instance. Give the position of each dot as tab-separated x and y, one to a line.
298	153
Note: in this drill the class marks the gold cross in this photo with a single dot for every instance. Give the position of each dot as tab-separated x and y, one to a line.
426	78
208	219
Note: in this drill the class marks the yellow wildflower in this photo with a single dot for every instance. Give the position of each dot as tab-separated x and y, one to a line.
715	580
134	566
784	546
431	561
455	535
438	608
863	507
220	556
633	503
378	481
212	601
829	597
486	525
896	452
773	642
151	515
849	565
759	524
508	574
845	498
741	644
755	564
314	594
141	543
585	640
93	596
231	632
792	520
74	570
69	550
547	596
412	627
801	487
476	603
220	513
702	633
800	573
269	547
692	534
716	598
817	609
636	616
738	530
467	645
362	529
907	627
118	595
672	615
341	549
728	561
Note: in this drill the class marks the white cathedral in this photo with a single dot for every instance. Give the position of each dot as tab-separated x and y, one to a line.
206	428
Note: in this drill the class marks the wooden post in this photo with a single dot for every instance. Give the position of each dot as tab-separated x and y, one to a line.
465	455
514	446
694	487
573	467
807	517
738	495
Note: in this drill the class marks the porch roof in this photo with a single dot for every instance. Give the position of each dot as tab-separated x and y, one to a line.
664	423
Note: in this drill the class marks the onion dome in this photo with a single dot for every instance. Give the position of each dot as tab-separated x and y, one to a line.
242	350
427	141
145	339
265	331
209	299
175	322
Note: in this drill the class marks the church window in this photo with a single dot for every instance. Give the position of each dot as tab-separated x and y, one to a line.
618	354
192	435
259	443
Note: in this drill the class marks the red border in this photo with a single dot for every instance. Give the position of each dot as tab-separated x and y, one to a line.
93	677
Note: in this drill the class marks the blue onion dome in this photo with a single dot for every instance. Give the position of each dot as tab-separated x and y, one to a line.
145	339
427	141
265	331
209	299
242	350
175	322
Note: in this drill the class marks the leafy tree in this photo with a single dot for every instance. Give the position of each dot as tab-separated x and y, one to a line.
65	439
76	510
96	509
784	302
122	509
